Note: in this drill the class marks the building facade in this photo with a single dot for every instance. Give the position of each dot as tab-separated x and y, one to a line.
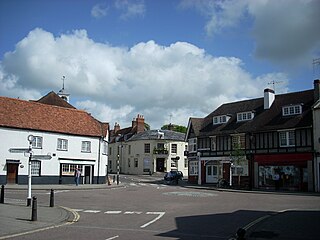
264	143
72	138
147	151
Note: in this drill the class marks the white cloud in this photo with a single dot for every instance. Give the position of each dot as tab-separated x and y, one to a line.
115	83
99	10
284	31
130	8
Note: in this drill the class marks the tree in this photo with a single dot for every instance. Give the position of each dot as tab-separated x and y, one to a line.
238	157
176	128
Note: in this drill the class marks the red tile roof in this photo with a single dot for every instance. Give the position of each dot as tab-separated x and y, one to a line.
21	114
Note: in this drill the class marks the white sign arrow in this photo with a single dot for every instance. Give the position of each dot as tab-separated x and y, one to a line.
41	157
19	150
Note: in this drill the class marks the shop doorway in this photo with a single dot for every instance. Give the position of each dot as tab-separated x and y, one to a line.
212	174
160	165
87	174
12	173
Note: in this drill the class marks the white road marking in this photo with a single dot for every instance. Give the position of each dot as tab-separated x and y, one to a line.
113	212
132	212
58	191
110	238
92	211
78	210
154	220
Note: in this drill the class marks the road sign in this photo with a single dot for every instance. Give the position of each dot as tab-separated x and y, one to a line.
41	157
19	150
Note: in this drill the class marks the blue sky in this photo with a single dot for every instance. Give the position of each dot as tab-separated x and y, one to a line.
157	57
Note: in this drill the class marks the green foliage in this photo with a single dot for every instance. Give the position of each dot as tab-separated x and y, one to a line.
176	128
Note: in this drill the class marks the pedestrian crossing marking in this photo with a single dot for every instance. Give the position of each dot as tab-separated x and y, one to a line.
112	212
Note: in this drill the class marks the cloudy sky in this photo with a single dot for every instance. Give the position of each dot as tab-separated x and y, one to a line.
165	59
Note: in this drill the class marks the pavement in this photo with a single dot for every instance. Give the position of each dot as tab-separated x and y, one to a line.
16	217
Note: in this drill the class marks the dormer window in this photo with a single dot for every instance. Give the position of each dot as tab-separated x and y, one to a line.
291	110
220	119
245	116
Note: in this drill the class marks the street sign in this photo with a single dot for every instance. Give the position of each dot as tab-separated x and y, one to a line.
41	157
19	150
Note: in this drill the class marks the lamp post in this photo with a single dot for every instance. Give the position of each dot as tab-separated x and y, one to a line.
30	139
118	168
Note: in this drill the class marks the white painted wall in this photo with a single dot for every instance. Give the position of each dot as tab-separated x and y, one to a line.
16	138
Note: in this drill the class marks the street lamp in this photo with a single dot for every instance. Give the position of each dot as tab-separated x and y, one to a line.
199	167
30	139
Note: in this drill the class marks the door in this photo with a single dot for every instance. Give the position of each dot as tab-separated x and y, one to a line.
12	173
212	174
87	174
160	165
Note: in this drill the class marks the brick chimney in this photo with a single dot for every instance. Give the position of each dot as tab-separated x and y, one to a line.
116	127
268	98
316	84
140	123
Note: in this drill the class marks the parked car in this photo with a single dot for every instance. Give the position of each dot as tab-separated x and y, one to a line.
173	176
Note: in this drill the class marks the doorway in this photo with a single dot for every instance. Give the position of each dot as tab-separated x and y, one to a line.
160	165
12	173
212	174
87	175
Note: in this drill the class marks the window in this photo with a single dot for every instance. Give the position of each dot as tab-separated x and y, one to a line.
238	141
220	119
174	148
129	162
291	110
110	151
37	142
147	148
136	162
129	149
245	116
186	163
287	138
86	146
192	144
69	169
105	148
193	168
213	143
35	168
62	144
174	163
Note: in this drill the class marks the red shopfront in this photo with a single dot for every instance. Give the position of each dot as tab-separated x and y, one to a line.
288	171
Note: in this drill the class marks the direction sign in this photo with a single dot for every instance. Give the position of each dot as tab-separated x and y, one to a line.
19	150
41	157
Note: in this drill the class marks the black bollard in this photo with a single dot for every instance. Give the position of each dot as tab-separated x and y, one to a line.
34	215
52	198
2	194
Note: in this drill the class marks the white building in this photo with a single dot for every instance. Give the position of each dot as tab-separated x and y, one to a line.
72	137
148	151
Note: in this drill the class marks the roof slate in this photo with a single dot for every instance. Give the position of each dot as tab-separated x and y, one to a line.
21	114
264	120
53	99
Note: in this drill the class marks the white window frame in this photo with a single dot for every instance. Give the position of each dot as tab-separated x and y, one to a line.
245	116
192	145
213	143
62	144
287	138
147	148
174	148
35	167
193	168
220	119
292	110
86	146
37	142
68	169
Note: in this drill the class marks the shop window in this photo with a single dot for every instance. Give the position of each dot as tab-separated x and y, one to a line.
193	168
69	169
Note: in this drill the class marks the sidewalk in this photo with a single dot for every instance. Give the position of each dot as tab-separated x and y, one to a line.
15	218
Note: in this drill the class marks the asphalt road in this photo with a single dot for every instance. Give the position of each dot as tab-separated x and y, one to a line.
145	208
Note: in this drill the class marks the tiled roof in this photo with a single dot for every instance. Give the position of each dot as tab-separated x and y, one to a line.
153	135
20	114
53	99
264	120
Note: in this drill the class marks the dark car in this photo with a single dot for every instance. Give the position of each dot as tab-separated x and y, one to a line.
173	176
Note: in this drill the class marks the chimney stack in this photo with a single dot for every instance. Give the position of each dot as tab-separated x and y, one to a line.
269	97
140	123
316	84
116	127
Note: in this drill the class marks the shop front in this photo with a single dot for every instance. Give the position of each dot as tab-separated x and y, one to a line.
287	172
